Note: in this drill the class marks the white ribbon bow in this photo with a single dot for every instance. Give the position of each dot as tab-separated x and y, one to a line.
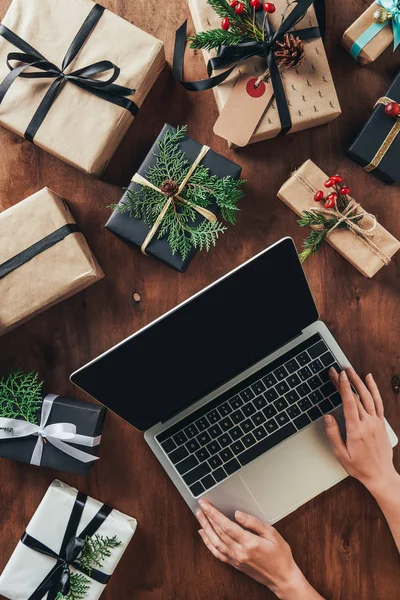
57	435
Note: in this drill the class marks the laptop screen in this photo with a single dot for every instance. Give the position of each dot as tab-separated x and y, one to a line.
204	342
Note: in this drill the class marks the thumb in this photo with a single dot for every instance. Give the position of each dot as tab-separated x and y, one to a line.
334	436
252	523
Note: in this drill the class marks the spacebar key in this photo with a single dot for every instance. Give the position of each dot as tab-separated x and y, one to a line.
266	444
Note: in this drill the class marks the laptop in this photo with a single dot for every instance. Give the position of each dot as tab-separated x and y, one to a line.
230	388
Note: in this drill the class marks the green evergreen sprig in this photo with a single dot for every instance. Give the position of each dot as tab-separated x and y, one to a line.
177	224
21	395
96	549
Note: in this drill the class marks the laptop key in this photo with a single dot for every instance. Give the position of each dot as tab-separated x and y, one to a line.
326	406
280	373
270	411
282	388
192	446
266	444
282	418
260	402
303	359
314	382
226	454
324	374
269	380
208	482
178	455
214	447
213	416
237	416
336	399
215	431
203	438
215	462
197	489
304	404
236	433
247	394
248	440
316	366
247	425
271	425
168	445
314	413
316	396
224	440
327	359
226	424
225	409
292	365
186	465
232	466
318	349
249	409
259	418
260	433
293	411
292	396
281	404
303	389
271	395
305	373
191	431
237	447
302	421
180	438
202	454
236	402
293	380
202	424
197	473
219	474
258	387
328	389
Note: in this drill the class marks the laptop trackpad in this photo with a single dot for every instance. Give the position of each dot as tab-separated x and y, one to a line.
293	473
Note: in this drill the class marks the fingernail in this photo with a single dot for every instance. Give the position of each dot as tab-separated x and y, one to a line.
202	504
332	371
343	375
328	419
370	375
239	515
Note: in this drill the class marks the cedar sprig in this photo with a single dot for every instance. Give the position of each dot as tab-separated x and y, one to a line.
20	395
79	587
178	223
317	236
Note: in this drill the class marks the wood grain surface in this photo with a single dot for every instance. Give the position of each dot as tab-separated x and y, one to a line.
340	539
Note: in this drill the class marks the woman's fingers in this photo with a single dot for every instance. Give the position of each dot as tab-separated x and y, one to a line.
335	438
213	538
362	390
222	535
234	531
253	524
350	408
212	548
374	391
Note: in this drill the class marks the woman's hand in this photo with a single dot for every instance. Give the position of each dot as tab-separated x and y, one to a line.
255	548
367	453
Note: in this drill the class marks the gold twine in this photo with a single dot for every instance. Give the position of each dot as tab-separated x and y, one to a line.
349	216
387	142
207	214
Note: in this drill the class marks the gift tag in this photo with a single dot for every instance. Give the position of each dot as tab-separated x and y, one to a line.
244	109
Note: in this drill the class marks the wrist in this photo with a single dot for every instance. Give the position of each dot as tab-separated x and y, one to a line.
294	587
384	487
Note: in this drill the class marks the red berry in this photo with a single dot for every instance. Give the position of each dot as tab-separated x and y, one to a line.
319	196
225	24
233	3
392	109
256	4
330	200
269	7
344	190
239	8
337	179
329	183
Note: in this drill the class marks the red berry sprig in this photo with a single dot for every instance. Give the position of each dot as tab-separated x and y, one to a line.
392	109
233	3
341	192
225	24
269	7
239	8
256	4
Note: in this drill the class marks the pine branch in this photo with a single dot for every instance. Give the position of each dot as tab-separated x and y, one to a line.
20	395
95	551
214	38
79	587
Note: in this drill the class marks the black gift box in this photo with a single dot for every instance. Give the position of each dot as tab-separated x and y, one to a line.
135	230
371	137
88	419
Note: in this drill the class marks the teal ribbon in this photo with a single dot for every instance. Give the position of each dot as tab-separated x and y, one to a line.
392	6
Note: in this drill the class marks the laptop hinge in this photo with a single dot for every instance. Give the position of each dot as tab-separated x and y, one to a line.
175	413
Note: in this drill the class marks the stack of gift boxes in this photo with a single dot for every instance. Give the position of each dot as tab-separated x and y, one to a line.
62	63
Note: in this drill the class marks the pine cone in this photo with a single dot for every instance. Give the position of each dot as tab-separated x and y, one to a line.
290	52
169	187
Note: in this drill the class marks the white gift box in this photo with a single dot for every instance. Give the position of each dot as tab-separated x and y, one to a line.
27	568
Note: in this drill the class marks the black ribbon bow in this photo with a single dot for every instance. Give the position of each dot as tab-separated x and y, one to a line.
227	55
83	78
58	579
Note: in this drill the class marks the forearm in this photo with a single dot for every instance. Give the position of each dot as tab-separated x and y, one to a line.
387	496
298	588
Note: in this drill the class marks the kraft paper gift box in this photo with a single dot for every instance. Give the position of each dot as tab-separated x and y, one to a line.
377	146
80	128
354	37
43	258
86	417
298	193
309	87
27	568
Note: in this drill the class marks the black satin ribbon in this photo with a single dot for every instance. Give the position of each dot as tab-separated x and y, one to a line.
227	55
47	242
58	579
83	78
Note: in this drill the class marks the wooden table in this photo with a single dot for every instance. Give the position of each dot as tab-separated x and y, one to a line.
340	539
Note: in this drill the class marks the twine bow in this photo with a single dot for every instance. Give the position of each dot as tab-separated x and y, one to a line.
207	214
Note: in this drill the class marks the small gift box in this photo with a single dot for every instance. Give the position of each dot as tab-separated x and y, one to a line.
302	95
342	222
377	146
78	75
70	548
169	209
373	31
48	431
43	258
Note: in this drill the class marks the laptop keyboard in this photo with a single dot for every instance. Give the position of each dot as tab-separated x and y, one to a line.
259	413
